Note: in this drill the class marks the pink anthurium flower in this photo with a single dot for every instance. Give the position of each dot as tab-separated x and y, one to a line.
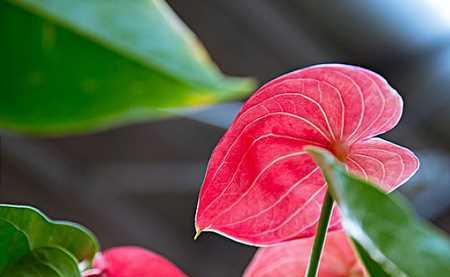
130	261
261	188
290	259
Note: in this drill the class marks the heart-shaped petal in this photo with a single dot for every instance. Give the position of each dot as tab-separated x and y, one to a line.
290	259
130	261
261	188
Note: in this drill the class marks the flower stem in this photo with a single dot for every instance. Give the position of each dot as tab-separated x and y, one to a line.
321	233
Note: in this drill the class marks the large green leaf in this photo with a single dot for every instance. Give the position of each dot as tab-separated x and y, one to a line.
45	262
75	66
384	225
24	230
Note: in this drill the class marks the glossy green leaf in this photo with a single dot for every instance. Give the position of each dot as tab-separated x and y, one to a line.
13	244
76	66
384	225
372	267
45	262
24	229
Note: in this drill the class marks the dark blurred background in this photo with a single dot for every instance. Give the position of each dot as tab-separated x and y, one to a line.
139	184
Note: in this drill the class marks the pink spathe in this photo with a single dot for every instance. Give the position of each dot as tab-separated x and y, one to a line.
131	261
290	259
261	188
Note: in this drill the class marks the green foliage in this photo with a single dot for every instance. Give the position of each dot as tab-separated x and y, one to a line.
383	225
77	66
45	261
372	267
29	241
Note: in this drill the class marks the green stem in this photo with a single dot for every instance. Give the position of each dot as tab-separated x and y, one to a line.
321	233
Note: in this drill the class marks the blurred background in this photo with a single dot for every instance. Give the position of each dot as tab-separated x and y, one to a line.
139	184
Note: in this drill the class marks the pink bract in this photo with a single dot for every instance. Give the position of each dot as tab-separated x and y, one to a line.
290	259
261	188
133	261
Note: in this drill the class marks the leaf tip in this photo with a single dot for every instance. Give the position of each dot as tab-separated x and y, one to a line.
312	149
319	154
